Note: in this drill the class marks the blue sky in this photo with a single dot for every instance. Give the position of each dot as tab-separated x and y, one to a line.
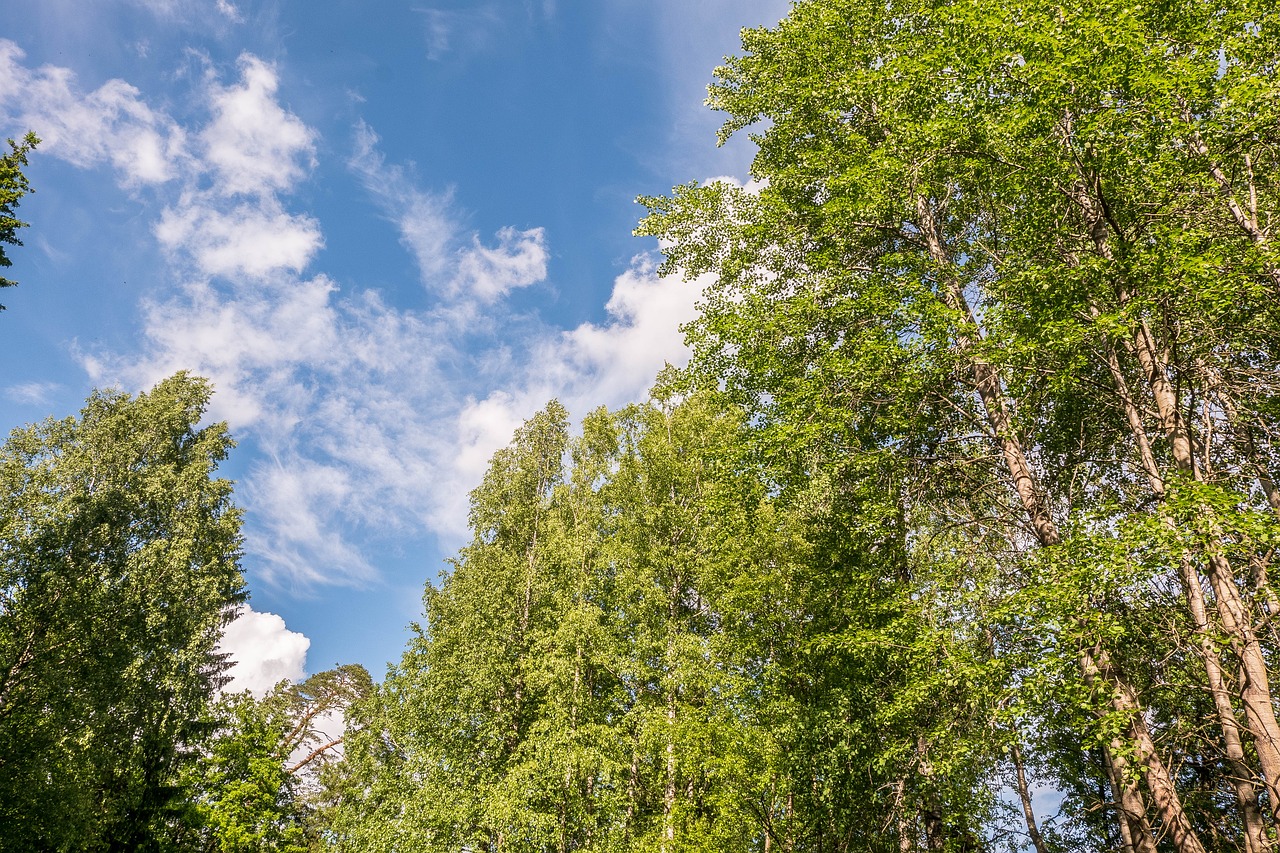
388	232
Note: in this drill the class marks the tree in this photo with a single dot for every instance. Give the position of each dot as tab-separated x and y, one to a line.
119	564
13	186
1019	249
243	794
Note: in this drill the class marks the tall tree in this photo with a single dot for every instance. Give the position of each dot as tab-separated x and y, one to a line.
119	562
995	241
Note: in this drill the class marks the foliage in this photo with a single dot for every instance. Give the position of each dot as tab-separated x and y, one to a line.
970	487
119	558
245	797
13	186
1014	258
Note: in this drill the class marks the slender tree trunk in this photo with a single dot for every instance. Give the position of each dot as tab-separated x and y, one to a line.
1099	669
906	832
1130	807
633	789
1024	796
669	792
1255	690
1245	216
998	412
1241	775
934	831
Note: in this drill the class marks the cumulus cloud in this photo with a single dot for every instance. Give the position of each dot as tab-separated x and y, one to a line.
616	362
253	145
263	652
610	364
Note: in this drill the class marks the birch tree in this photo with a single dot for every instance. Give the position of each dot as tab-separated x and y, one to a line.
989	240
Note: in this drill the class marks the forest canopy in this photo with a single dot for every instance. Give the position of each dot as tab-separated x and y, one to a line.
955	534
990	360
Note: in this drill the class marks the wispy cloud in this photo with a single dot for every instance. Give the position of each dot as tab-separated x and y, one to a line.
458	267
422	218
451	31
188	10
32	393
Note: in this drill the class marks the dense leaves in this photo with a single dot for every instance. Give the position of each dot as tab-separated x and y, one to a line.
971	487
968	492
119	558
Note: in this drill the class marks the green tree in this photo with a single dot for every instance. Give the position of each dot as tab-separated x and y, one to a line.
619	603
244	796
446	759
13	186
1018	247
119	562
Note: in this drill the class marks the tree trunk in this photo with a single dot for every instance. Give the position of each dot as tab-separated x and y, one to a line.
669	792
1241	775
1130	807
1024	796
1244	216
906	832
1255	690
1098	669
998	412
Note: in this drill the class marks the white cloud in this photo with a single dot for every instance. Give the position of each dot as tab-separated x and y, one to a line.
252	144
264	652
32	393
112	124
240	342
230	11
298	495
459	269
616	362
355	407
610	364
453	30
245	239
519	260
193	11
423	219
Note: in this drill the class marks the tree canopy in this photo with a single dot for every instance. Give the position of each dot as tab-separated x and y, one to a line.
967	493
